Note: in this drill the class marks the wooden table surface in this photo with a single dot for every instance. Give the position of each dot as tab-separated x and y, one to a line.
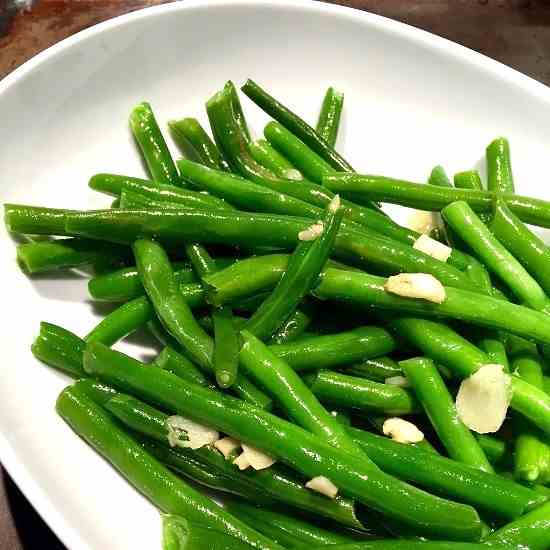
515	32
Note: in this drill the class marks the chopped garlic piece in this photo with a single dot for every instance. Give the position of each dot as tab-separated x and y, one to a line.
186	433
483	398
335	204
256	458
312	232
293	174
242	462
433	248
400	381
416	285
323	485
423	222
227	445
402	431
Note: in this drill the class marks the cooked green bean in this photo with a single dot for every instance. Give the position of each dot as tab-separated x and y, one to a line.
226	347
153	147
164	489
377	369
248	229
439	177
495	449
36	220
430	197
342	390
296	125
494	255
490	493
176	363
527	247
300	155
188	133
361	289
264	154
529	531
499	166
334	350
291	393
470	179
286	530
408	544
328	122
495	349
294	326
286	442
303	269
439	406
37	257
59	348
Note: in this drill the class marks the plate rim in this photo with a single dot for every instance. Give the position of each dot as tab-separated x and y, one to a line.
16	468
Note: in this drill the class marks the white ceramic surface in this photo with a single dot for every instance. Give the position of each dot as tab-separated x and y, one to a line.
412	100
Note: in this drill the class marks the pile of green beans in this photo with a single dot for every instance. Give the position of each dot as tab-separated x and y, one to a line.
287	365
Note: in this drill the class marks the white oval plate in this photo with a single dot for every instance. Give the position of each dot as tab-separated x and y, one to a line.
412	100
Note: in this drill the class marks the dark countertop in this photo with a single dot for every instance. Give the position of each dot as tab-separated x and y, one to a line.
515	32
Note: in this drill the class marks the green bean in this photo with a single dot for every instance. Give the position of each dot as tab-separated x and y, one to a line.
300	155
294	326
499	166
334	350
268	157
532	453
116	203
363	290
473	231
377	369
529	531
287	530
352	392
495	449
527	247
296	125
430	197
291	393
188	133
546	384
408	544
247	229
153	147
164	489
36	220
203	264
233	144
125	284
470	179
226	347
495	350
59	348
441	343
37	257
439	177
122	321
303	269
439	406
176	363
286	442
328	122
490	493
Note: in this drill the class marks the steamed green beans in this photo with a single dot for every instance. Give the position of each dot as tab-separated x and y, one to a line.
176	363
226	347
499	166
263	153
328	122
36	220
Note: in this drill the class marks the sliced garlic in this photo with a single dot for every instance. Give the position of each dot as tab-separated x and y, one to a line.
242	462
400	381
312	232
483	399
335	204
433	248
323	485
423	222
256	458
292	174
402	431
183	432
226	446
416	285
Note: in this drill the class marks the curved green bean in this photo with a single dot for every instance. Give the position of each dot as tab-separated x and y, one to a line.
328	122
176	363
499	166
268	157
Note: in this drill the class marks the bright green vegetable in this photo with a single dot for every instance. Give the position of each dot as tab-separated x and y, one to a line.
499	166
294	326
264	154
495	349
475	233
328	122
153	147
287	442
438	404
470	179
176	363
377	369
164	489
36	220
226	347
439	177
